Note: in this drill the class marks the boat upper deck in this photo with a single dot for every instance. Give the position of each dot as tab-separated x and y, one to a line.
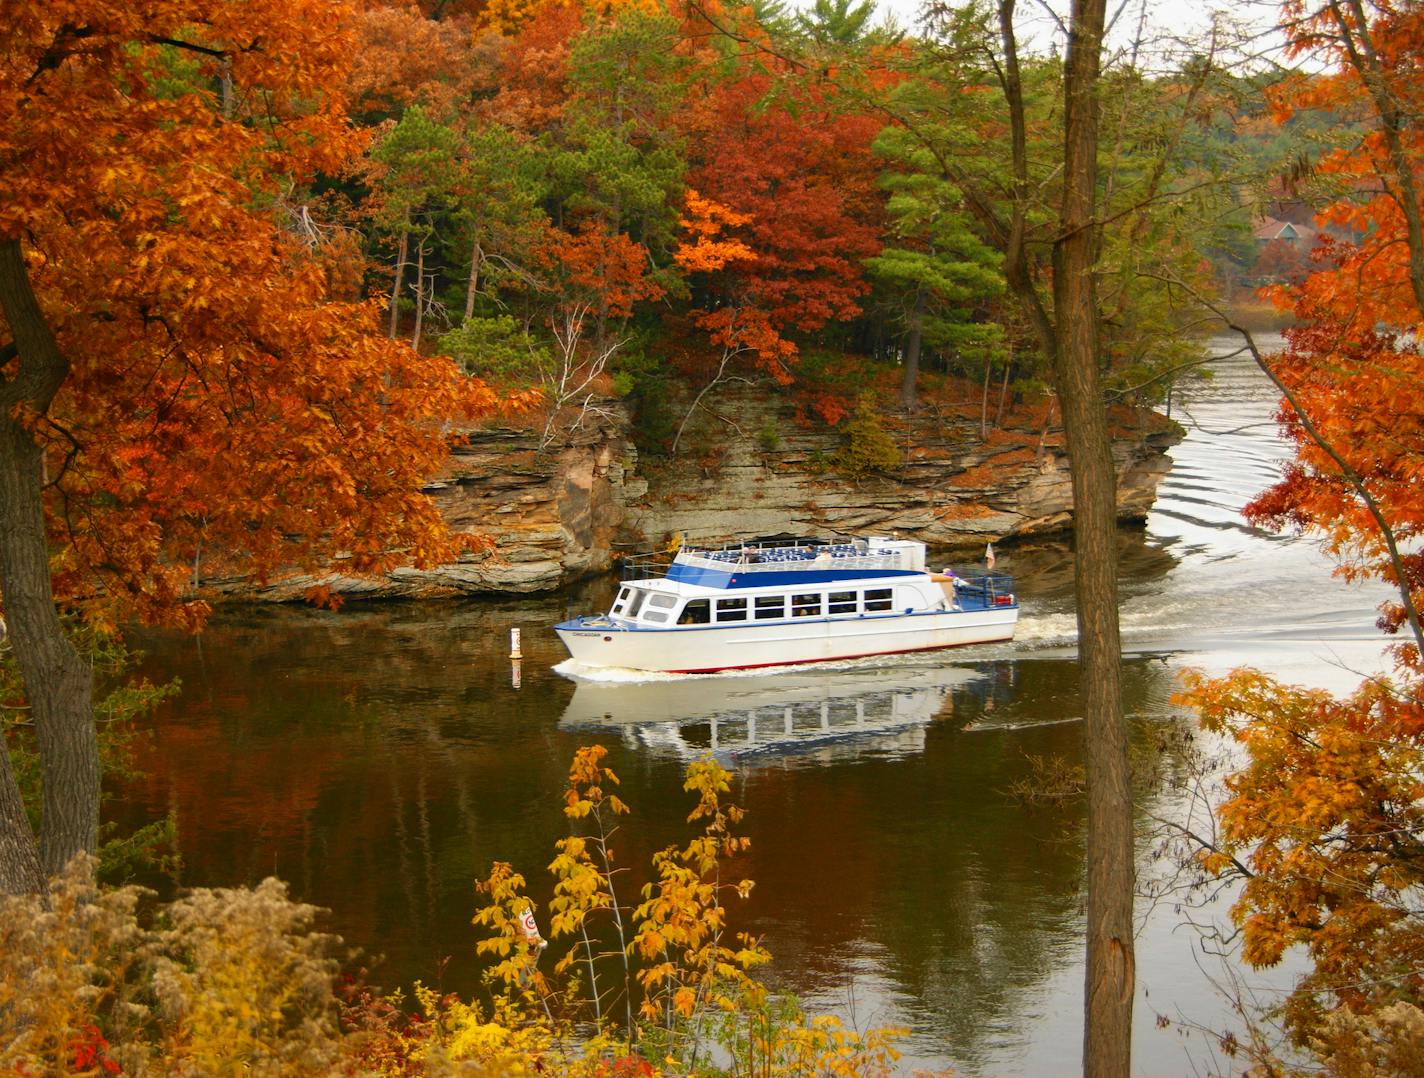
763	564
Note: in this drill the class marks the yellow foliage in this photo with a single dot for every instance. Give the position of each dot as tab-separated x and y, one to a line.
243	980
62	963
1323	820
691	981
237	981
504	917
508	16
229	980
1385	1044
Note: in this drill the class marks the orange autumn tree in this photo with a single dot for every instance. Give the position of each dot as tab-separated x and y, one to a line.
1324	821
177	384
712	245
737	326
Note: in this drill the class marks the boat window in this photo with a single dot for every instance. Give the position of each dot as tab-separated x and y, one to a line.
621	601
731	610
878	599
805	606
638	596
667	602
841	602
696	612
656	615
770	606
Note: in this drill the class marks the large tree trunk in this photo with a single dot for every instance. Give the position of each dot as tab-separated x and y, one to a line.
19	855
1107	1037
58	682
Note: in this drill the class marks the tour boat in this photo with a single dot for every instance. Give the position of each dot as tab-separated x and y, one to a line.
781	602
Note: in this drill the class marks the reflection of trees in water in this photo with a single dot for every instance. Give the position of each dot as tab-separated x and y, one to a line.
372	757
964	899
379	759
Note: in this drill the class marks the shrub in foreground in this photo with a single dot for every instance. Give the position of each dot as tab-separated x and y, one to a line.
223	981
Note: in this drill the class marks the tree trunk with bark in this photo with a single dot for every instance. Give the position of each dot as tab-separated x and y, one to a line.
398	279
1068	339
984	402
1107	1036
59	684
19	855
419	294
1353	28
909	398
477	256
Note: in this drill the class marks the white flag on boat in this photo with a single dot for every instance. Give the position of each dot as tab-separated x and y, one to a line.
989	555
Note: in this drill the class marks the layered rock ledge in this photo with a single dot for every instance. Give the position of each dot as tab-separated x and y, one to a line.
561	513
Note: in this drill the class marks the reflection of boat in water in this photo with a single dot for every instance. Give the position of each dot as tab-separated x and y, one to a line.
782	602
877	709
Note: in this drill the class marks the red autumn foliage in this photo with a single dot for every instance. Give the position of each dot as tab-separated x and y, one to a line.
800	169
595	267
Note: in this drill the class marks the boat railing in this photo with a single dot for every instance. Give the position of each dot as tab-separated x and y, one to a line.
644	566
792	559
996	588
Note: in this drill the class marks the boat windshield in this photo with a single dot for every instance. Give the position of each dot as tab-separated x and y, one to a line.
634	604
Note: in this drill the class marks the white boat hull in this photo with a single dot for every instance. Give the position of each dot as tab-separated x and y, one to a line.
696	649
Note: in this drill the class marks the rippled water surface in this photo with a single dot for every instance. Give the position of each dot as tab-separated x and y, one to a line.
380	759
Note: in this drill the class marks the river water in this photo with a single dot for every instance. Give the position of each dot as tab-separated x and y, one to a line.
380	758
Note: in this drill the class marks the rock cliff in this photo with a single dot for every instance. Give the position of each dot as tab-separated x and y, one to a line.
561	513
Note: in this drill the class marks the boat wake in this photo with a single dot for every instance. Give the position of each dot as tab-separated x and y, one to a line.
980	726
1038	630
617	675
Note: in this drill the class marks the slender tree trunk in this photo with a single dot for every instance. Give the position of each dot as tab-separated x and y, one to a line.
908	397
984	402
1016	262
419	294
1107	1040
58	682
1359	46
1003	395
229	98
477	257
399	280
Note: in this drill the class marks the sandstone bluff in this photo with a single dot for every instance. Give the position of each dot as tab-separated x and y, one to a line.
564	512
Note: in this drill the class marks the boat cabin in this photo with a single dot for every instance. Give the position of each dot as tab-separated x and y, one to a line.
653	606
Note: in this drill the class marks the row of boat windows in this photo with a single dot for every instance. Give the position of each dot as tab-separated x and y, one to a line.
658	607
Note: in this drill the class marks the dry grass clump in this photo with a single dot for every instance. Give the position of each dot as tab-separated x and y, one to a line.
220	981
